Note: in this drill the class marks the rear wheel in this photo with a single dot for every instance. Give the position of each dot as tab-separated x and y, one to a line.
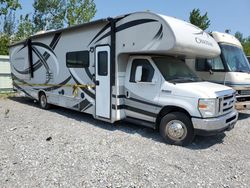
176	128
43	101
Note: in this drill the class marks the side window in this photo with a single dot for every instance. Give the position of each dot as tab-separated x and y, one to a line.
78	59
147	70
201	65
214	64
102	63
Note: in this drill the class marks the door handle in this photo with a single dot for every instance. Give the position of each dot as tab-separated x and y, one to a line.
127	94
97	83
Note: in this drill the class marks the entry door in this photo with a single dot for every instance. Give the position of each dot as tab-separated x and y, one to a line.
103	82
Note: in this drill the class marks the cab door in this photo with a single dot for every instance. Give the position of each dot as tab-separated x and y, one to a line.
141	97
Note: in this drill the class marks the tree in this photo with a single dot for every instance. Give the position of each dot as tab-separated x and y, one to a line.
48	14
239	36
9	24
199	20
7	5
25	28
54	14
246	46
79	11
4	43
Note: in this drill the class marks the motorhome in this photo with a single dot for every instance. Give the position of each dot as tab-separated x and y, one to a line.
230	68
127	68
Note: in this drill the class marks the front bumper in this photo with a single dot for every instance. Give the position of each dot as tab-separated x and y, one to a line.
245	105
213	126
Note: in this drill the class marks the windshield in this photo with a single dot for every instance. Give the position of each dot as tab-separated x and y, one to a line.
175	70
235	58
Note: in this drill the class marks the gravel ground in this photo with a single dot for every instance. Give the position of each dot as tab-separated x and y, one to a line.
64	148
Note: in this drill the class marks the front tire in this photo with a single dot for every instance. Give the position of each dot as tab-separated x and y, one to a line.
43	101
176	128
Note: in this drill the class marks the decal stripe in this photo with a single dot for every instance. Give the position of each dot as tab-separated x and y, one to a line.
43	46
159	33
100	32
21	89
55	40
46	55
14	77
137	100
144	102
92	95
106	27
89	73
127	25
133	109
41	58
56	86
83	104
90	105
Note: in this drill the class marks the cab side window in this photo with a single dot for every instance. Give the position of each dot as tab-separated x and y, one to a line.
147	70
214	64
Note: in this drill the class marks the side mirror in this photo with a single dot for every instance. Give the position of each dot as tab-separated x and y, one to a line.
138	74
209	66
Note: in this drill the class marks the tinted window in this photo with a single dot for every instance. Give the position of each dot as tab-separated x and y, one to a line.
147	70
214	64
103	63
77	59
201	65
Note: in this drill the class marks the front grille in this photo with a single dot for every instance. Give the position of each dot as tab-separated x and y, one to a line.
226	104
244	92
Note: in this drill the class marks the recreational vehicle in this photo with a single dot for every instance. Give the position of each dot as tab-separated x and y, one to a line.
231	68
127	68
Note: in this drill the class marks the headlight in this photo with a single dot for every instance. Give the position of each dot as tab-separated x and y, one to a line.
207	107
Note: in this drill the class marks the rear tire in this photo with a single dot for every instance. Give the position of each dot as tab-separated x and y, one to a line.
176	128
43	101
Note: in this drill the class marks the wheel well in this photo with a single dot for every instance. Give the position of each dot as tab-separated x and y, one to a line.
40	93
166	110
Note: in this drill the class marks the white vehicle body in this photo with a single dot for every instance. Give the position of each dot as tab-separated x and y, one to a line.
108	82
231	68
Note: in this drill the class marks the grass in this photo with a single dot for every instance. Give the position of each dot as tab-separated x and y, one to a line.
7	95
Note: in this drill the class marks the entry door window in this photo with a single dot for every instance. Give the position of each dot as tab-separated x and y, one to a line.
103	63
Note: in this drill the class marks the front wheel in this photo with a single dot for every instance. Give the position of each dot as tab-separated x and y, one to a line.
43	101
176	128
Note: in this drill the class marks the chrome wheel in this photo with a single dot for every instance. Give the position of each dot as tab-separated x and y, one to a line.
176	130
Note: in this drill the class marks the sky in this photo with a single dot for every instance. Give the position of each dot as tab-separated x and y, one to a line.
223	14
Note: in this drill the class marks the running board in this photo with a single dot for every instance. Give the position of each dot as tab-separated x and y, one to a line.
141	122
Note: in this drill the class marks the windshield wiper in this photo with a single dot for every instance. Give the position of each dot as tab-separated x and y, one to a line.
183	79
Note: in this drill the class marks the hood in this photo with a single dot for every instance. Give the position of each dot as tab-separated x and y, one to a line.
238	79
201	90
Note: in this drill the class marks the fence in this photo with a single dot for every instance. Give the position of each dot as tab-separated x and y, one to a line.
5	75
